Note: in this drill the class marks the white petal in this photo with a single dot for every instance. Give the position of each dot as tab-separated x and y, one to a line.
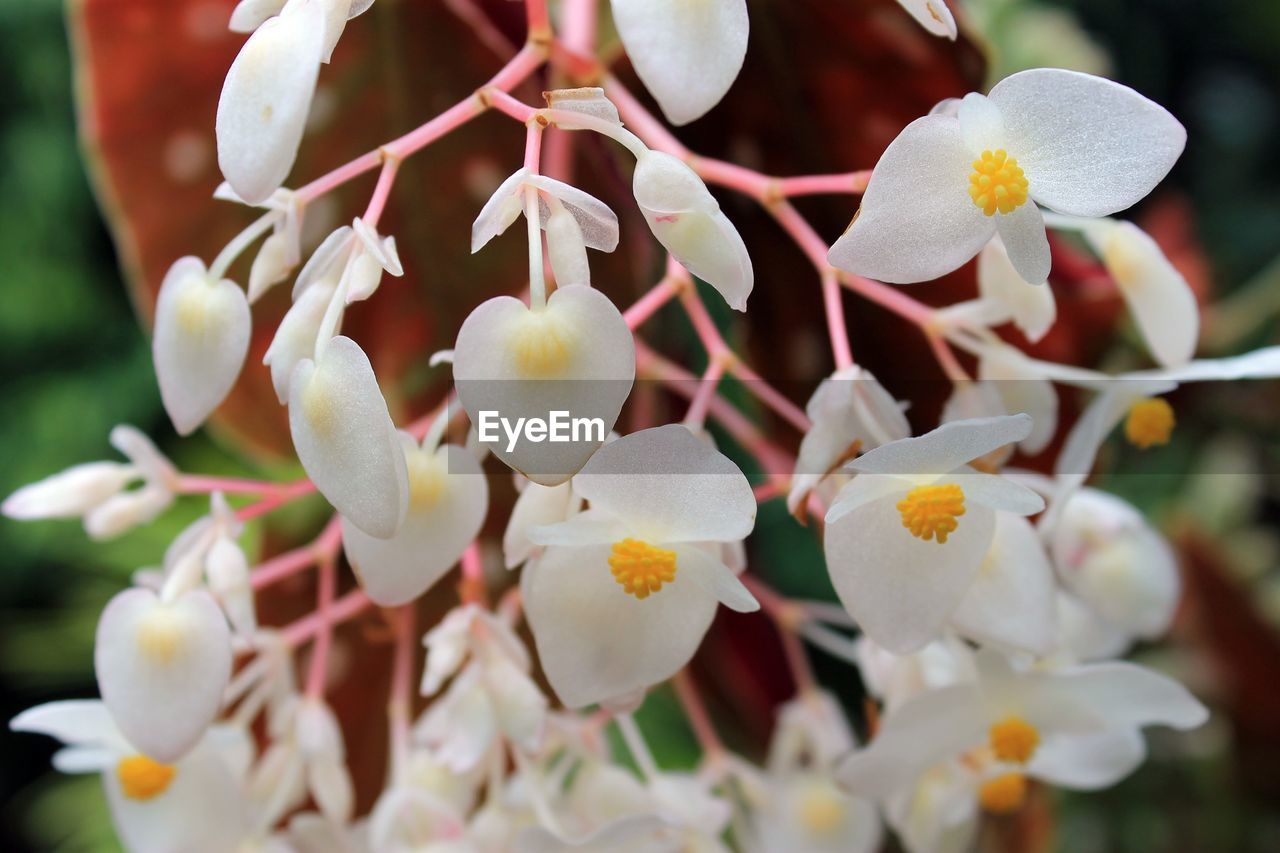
142	452
715	578
330	784
325	259
863	489
687	54
1088	762
295	337
271	266
249	14
945	448
1125	694
1089	147
382	250
70	493
981	124
345	439
1025	242
1259	364
537	506
448	498
668	485
1030	306
933	15
566	249
1159	298
162	667
72	721
917	221
575	356
589	100
127	510
599	224
1022	389
265	100
201	337
502	208
228	573
901	589
1011	602
592	527
595	641
921	733
995	492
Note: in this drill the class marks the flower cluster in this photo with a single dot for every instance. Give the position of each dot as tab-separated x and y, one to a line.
991	602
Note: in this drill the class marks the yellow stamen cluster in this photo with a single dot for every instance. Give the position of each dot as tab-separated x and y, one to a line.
541	347
1003	794
143	778
997	183
428	478
640	567
1150	422
1014	740
931	511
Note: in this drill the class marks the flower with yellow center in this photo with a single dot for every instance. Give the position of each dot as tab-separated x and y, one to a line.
1070	142
143	778
624	591
1013	740
1003	794
905	538
1149	423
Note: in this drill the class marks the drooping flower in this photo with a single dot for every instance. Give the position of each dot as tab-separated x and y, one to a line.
574	355
687	54
1075	143
688	222
933	15
207	551
345	438
199	342
906	538
624	592
307	756
154	805
248	15
162	664
1029	306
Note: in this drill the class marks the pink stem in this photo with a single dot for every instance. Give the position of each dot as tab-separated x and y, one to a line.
193	484
699	719
485	31
349	606
646	306
579	25
770	396
697	413
275	500
785	616
947	358
325	590
473	584
282	566
538	19
703	325
847	182
386	179
400	707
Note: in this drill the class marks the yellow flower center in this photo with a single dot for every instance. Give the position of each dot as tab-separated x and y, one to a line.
1150	422
541	347
640	567
427	479
997	183
143	778
1014	740
161	636
821	810
1004	794
931	511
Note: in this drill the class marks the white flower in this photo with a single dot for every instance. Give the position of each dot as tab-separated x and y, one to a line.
307	755
96	490
448	497
1161	301
687	221
906	538
266	97
933	15
1022	388
1030	307
893	679
573	355
1111	559
849	412
536	506
687	54
623	594
193	804
573	220
207	550
345	439
295	338
1037	722
162	665
492	696
199	342
1074	143
282	250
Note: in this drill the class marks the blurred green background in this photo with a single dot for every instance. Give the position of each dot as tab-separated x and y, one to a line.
76	363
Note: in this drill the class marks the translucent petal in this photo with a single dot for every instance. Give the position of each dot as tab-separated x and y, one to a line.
981	124
592	527
72	721
688	222
1089	147
537	506
589	100
1161	301
599	224
271	266
249	14
499	211
566	250
916	221
228	576
331	251
923	732
1088	762
382	249
899	588
945	448
1025	242
575	356
668	485
162	667
70	493
597	642
687	54
263	108
1031	307
295	337
862	490
1011	602
1119	693
449	496
715	578
201	337
345	438
933	15
996	492
1260	364
1022	390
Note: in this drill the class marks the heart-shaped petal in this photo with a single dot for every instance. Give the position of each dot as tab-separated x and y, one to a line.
201	338
572	360
162	667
